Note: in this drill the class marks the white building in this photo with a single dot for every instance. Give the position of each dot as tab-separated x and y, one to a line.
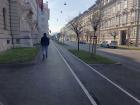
43	16
28	23
120	17
19	23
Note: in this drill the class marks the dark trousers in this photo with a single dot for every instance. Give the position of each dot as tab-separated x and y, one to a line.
45	51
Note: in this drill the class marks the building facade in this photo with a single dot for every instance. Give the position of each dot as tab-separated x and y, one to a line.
86	23
27	14
5	33
120	18
20	22
44	16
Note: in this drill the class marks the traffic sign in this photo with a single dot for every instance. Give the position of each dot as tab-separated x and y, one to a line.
94	37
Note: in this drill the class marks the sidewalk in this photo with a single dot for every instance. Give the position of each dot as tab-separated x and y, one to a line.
47	83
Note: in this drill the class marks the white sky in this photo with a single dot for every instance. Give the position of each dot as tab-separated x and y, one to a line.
58	19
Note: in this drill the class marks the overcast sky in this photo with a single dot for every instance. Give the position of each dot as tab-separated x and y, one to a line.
60	14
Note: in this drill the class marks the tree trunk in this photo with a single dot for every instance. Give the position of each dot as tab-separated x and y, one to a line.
89	44
92	47
95	47
78	44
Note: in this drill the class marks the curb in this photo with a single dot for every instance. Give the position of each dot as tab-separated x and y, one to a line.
117	63
17	64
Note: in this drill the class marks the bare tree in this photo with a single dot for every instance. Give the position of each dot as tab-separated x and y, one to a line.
95	23
114	35
77	27
88	34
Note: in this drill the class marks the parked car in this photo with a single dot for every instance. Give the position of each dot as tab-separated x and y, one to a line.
105	44
113	44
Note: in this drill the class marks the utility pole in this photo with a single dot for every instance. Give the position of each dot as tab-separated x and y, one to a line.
138	27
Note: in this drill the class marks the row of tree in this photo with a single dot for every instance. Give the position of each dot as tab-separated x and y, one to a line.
78	28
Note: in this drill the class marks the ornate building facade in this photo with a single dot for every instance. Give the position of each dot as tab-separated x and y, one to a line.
43	19
119	17
19	23
86	23
5	33
27	17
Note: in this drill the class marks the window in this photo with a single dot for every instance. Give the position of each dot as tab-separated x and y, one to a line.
133	17
125	4
114	10
135	2
4	18
124	19
119	7
118	20
121	19
17	41
8	41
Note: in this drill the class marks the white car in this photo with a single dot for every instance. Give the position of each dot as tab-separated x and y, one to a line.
105	44
113	44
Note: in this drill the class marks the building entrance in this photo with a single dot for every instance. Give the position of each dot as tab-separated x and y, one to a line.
123	37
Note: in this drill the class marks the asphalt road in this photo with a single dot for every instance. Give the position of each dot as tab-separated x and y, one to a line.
63	80
47	83
104	91
129	58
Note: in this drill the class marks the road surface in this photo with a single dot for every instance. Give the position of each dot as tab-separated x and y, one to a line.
61	80
47	83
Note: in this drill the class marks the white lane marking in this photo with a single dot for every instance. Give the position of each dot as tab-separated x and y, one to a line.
110	81
78	80
1	103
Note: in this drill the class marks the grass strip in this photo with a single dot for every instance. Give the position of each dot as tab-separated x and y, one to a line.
18	55
86	57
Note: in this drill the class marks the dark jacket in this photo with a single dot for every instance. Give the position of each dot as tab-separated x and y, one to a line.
45	41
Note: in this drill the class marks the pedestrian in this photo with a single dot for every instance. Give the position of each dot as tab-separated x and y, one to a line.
45	41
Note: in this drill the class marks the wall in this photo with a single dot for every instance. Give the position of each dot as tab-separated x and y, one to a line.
5	37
